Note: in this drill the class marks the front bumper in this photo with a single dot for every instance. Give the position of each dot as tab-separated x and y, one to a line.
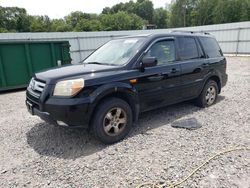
58	111
43	115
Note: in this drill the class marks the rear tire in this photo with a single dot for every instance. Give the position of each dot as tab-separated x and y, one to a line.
208	95
112	120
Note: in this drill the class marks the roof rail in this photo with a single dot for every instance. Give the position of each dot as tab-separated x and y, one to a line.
191	32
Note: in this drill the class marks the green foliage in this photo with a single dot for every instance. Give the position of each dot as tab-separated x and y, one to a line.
3	30
40	24
183	13
144	9
161	18
88	25
231	11
14	19
130	16
60	25
121	21
203	12
126	7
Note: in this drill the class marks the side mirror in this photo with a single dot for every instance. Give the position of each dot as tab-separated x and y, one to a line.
148	62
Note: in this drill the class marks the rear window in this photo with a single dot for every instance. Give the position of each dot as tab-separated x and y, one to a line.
187	48
211	47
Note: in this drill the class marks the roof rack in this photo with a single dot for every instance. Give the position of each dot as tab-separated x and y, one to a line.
191	32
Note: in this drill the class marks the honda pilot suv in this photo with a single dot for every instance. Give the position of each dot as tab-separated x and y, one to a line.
108	90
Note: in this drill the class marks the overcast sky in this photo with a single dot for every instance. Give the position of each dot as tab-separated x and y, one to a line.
60	8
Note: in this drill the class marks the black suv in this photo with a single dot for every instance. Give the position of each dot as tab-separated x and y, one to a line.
109	89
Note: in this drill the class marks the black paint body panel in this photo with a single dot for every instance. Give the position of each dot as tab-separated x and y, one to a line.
156	86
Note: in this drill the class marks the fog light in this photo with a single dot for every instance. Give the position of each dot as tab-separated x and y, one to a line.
61	123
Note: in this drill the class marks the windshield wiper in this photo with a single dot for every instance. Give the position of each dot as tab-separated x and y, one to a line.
95	62
98	63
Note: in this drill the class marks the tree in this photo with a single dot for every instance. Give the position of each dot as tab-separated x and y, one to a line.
183	13
106	10
73	18
121	21
126	7
227	11
130	15
88	25
40	24
178	13
205	12
14	19
245	10
161	18
142	8
60	25
145	9
80	21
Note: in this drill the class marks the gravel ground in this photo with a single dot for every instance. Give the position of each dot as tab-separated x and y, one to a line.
35	154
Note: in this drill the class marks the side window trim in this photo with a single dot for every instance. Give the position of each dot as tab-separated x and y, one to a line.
202	48
158	40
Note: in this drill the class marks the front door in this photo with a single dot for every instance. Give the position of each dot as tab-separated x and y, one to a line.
159	85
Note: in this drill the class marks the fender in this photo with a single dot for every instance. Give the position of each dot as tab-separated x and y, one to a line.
113	89
213	73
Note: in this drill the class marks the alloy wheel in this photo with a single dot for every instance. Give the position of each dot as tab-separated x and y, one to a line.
114	121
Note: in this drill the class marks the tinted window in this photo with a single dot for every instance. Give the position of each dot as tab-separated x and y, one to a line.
164	51
187	48
211	47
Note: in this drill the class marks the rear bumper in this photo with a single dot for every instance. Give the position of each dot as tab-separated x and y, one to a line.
66	112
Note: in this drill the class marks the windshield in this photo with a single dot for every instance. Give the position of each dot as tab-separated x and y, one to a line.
115	52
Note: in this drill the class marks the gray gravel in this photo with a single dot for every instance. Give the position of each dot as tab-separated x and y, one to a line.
35	154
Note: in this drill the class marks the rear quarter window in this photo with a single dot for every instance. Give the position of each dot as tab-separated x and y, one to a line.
211	47
187	48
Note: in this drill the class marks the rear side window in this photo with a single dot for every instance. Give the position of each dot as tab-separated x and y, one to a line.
211	47
187	48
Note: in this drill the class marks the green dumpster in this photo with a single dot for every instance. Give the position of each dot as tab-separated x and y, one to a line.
19	60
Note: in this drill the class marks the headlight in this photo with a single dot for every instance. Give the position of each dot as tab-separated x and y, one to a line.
68	87
32	82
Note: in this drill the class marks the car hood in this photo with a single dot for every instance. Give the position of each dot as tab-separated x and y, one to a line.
68	71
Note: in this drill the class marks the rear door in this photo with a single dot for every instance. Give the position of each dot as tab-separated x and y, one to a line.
217	62
158	86
194	66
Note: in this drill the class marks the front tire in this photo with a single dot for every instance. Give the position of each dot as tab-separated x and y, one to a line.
208	95
112	120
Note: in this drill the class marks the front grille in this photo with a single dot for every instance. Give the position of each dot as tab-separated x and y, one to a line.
36	88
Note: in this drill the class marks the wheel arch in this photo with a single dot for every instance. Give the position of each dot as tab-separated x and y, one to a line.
217	80
124	92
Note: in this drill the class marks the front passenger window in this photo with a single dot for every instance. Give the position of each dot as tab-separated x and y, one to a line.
164	51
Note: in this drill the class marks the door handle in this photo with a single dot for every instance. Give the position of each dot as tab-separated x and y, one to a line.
155	78
174	70
205	65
